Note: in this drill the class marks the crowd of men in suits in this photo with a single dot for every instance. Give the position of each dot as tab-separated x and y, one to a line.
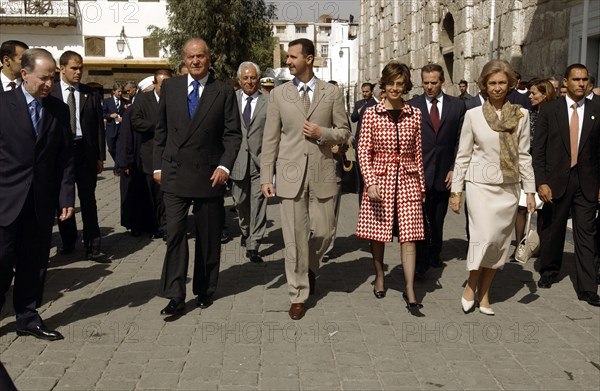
179	144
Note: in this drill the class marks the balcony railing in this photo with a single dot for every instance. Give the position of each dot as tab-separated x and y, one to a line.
44	12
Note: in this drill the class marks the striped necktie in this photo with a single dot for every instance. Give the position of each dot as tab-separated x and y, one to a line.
34	113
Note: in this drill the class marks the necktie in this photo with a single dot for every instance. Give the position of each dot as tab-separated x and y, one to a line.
305	99
11	86
574	133
247	114
35	116
118	103
72	109
435	116
193	99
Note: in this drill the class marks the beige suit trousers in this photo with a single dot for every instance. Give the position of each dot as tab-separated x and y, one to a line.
307	224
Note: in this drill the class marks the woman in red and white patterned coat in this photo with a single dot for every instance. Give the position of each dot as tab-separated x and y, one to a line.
391	162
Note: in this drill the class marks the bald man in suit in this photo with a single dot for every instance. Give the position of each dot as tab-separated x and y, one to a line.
306	117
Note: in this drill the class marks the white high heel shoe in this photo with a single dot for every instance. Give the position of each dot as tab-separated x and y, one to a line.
487	310
467	305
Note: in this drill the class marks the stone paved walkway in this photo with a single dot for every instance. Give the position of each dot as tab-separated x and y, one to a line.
115	338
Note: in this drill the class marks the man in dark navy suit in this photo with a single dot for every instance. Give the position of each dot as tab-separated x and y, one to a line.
89	148
359	108
112	111
442	117
37	171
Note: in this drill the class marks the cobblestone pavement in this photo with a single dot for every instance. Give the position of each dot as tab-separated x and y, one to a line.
115	338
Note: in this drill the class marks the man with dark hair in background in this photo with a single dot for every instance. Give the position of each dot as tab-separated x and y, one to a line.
10	55
112	111
442	116
144	116
463	86
359	108
89	150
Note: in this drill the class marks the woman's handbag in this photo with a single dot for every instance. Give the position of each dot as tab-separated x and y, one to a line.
529	245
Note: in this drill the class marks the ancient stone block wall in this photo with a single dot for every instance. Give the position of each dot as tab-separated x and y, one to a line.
531	34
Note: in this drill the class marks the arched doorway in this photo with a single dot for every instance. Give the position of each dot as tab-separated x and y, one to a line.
447	47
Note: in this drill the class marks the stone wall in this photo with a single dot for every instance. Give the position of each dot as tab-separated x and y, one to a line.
531	34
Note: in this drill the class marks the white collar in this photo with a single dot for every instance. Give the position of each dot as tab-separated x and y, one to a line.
571	101
202	81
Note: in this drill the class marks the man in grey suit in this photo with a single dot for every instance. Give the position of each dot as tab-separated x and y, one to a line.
250	203
306	117
196	141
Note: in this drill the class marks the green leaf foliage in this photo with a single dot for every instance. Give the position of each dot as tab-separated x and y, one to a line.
235	31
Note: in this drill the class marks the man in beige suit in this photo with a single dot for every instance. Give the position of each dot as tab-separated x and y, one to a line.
306	117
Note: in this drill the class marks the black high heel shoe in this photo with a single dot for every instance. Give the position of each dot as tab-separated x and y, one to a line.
413	308
379	294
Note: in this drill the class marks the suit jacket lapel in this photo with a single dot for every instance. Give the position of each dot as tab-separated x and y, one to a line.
261	99
445	109
293	95
425	112
586	128
47	119
20	106
562	119
204	104
82	99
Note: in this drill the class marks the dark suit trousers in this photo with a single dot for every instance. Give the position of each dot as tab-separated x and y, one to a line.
85	177
208	218
157	201
24	246
436	207
554	229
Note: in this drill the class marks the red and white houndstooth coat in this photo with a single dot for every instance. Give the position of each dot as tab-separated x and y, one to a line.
390	155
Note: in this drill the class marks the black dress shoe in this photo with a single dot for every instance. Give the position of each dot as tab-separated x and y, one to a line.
66	250
243	241
436	263
174	307
379	294
204	301
253	256
158	234
413	308
224	236
546	281
590	297
41	332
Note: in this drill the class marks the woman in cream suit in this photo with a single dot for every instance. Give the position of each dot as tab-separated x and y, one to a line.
492	160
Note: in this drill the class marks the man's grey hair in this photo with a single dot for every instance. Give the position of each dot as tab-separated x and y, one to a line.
130	84
247	64
31	55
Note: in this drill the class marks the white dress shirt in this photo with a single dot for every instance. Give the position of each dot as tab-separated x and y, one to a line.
580	110
5	81
440	103
65	94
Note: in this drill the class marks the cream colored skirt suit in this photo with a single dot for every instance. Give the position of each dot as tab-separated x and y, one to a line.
492	204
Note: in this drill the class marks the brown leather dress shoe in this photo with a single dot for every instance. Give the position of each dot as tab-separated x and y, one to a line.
296	311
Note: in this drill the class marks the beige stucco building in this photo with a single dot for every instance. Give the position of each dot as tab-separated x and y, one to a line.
538	37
